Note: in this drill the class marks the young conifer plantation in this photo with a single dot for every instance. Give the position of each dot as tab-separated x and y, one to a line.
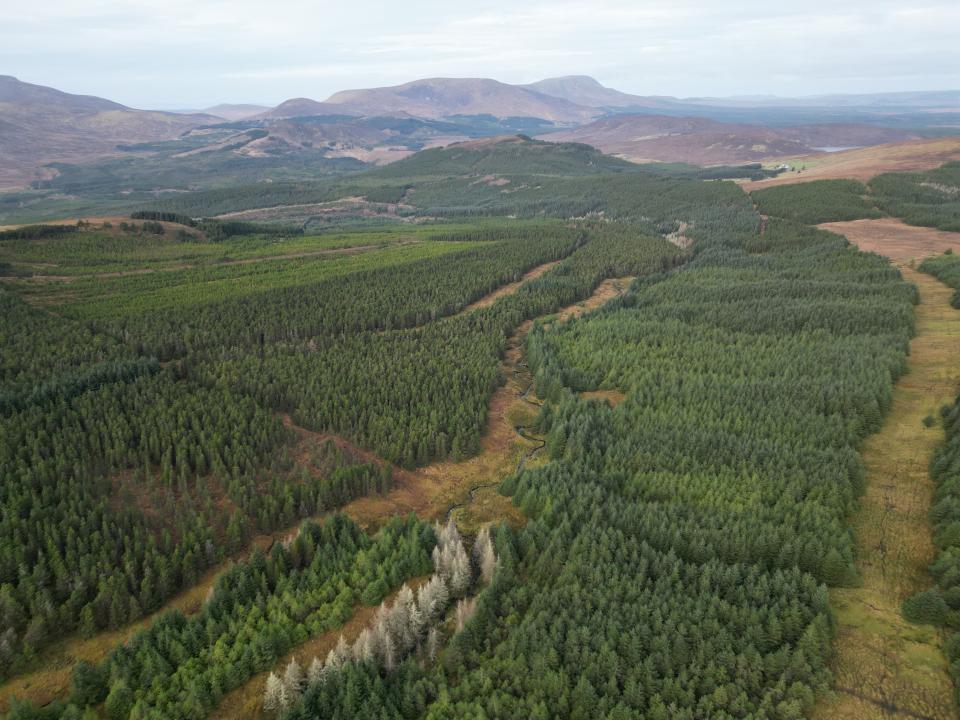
194	409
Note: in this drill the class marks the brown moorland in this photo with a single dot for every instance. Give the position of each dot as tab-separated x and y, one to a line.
864	163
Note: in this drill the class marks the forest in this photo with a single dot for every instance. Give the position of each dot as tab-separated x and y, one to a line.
201	401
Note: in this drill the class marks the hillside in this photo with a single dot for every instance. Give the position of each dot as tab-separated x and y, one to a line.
43	125
708	142
867	162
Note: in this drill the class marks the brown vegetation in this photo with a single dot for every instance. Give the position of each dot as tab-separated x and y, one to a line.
896	239
863	163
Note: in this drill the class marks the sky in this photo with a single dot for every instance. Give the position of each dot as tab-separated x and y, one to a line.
196	53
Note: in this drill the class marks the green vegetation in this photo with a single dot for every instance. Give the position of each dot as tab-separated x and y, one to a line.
176	291
513	178
930	199
418	394
34	232
940	605
307	297
180	667
816	202
946	269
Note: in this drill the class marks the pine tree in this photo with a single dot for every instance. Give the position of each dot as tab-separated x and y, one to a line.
316	671
293	678
275	694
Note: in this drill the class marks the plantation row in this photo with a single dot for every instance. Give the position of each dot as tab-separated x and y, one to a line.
816	202
928	199
387	296
415	395
946	269
672	566
181	292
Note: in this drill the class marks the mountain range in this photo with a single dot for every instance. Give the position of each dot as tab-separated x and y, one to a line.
41	128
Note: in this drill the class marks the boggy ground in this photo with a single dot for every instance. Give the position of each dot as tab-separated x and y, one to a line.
886	667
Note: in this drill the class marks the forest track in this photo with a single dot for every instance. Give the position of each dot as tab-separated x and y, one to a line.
884	666
510	288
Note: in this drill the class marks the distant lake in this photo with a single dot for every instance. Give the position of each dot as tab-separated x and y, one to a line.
837	148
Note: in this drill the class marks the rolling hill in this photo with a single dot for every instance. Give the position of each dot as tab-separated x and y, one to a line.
42	125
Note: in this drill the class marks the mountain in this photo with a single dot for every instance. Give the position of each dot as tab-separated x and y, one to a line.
702	141
445	97
41	125
584	90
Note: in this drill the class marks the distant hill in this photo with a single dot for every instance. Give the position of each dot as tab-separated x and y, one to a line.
42	125
305	107
443	97
584	90
505	156
702	141
232	112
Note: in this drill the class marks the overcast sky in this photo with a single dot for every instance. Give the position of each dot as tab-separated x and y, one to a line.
196	53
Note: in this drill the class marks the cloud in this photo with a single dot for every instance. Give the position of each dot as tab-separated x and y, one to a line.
199	52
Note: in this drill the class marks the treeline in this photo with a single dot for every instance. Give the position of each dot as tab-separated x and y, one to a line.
946	269
659	202
215	230
940	605
929	199
817	201
36	232
750	171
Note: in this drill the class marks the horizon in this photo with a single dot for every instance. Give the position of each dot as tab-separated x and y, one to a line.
197	55
758	96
